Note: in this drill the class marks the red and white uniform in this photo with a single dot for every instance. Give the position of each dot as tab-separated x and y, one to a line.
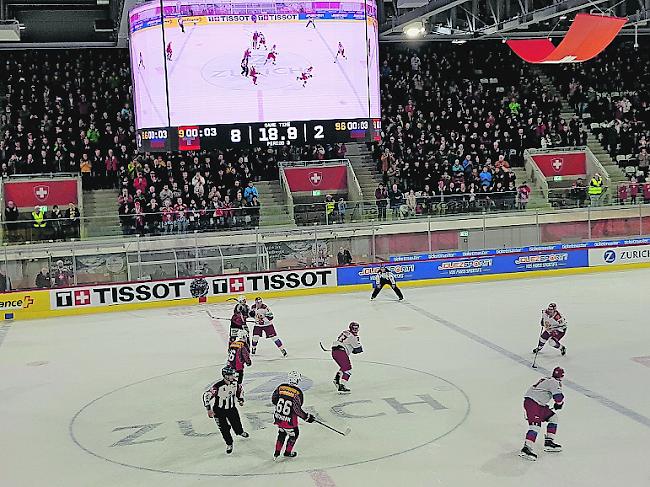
553	321
272	55
247	54
262	41
554	328
256	37
346	344
305	75
253	74
340	52
169	51
263	317
536	406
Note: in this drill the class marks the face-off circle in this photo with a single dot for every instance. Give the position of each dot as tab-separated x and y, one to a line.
159	424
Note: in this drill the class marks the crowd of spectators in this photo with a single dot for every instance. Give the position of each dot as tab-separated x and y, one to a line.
612	93
70	111
455	120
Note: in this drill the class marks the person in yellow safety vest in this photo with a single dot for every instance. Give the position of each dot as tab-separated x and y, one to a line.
330	204
596	189
38	219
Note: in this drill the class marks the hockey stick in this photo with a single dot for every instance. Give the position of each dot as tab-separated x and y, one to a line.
322	347
248	320
534	366
342	433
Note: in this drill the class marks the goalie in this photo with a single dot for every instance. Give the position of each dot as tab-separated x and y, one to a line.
553	329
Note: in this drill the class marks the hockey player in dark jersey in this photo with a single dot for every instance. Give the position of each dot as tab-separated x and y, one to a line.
224	410
238	319
288	399
239	356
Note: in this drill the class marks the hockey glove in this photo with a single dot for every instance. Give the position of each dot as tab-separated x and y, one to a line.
357	350
240	401
310	418
558	405
210	413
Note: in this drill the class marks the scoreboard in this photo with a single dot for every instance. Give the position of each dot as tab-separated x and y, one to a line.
267	134
267	74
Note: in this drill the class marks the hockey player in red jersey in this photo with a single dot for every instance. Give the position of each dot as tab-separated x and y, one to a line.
305	75
347	343
554	326
238	319
169	51
272	55
288	399
256	37
537	412
263	317
141	62
253	73
238	355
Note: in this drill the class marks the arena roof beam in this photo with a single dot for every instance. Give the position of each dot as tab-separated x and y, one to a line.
435	7
537	16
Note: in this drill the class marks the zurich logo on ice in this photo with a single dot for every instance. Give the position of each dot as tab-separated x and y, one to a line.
609	256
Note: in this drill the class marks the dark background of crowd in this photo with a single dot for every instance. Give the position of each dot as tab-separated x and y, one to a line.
612	90
457	118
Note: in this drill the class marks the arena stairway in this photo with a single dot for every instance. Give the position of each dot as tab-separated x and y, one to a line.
536	199
273	208
100	213
365	170
616	174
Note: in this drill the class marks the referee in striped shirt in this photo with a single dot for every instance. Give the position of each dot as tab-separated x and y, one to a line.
224	410
385	277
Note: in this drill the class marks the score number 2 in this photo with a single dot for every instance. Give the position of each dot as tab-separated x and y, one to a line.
318	129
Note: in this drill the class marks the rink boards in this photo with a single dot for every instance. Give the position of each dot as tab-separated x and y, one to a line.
417	270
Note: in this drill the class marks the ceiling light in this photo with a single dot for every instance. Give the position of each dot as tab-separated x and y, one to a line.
414	29
458	41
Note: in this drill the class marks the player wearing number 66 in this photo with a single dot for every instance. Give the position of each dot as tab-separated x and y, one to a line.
288	399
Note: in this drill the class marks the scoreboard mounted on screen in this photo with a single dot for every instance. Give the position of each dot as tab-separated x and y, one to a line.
214	74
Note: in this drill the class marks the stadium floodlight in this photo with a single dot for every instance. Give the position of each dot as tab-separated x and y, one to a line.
414	29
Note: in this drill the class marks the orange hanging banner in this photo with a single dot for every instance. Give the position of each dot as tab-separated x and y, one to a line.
587	37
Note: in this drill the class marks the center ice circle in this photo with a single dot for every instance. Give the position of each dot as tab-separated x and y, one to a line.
159	424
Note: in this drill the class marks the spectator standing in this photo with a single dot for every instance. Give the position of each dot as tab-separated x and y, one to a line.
596	189
61	274
330	208
43	279
523	195
85	167
11	220
622	193
381	200
344	257
56	221
38	223
396	199
72	220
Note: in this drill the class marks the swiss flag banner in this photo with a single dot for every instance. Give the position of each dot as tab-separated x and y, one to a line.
43	192
325	178
562	164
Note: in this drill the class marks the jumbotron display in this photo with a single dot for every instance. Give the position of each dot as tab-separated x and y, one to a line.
222	74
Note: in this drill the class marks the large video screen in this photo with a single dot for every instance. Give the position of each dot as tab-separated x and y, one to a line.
210	74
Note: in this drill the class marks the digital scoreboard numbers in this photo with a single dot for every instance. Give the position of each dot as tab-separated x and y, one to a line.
274	134
270	78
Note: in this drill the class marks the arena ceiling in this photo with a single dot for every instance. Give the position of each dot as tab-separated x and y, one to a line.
65	23
465	20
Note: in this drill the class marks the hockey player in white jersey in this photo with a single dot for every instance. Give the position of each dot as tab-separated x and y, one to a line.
554	328
347	343
537	410
263	317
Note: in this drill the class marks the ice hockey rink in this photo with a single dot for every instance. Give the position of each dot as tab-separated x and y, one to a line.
115	399
204	73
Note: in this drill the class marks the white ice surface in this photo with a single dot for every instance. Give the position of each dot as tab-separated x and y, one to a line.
470	336
206	87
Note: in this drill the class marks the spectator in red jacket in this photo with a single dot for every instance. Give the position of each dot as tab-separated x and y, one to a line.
140	183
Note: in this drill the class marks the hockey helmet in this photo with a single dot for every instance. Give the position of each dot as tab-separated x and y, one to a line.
558	373
294	377
354	327
241	299
258	300
228	372
241	336
552	307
